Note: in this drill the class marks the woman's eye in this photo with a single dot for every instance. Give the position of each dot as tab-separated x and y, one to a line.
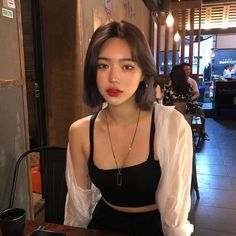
128	67
102	66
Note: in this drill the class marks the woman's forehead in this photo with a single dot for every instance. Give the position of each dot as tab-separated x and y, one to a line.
115	47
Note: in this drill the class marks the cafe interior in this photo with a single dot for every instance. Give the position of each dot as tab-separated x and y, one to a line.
42	49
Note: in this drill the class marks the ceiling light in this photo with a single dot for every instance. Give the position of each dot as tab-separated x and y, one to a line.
169	19
177	36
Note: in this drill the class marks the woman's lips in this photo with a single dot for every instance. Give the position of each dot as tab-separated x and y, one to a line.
114	92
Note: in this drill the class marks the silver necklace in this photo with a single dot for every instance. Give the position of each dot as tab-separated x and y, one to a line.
119	169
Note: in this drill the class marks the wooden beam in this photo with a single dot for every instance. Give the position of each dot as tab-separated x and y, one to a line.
175	29
158	59
186	4
151	33
166	50
199	37
183	34
191	36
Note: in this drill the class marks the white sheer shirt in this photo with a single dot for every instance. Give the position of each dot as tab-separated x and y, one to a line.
174	150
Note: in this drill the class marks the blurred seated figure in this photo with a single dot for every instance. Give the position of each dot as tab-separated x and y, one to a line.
178	89
228	71
181	92
199	111
207	72
159	84
192	82
158	94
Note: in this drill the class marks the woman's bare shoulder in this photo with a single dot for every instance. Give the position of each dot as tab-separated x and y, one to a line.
79	138
79	128
80	125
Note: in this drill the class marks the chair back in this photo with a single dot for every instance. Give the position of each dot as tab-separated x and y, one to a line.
54	189
181	107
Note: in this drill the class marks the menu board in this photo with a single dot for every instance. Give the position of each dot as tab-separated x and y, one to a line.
222	60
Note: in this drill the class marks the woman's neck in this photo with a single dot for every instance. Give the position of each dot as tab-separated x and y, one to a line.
122	115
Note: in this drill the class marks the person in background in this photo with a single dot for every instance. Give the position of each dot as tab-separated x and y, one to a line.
207	72
188	71
158	93
178	89
129	165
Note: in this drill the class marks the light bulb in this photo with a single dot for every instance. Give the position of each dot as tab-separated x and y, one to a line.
177	36
169	19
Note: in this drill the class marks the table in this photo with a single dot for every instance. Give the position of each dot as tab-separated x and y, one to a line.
70	231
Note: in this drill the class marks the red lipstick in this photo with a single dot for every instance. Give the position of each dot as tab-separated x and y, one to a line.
114	92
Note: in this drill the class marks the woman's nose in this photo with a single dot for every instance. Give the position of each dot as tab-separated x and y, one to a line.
114	75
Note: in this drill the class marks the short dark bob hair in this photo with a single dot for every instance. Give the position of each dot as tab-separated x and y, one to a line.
179	80
141	54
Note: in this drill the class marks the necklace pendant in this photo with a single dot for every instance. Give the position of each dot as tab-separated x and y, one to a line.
119	179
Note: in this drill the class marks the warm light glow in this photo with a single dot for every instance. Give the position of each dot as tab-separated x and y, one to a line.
169	19
224	25
188	26
177	36
207	25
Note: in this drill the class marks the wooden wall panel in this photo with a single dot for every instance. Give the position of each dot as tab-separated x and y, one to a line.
62	80
67	29
183	34
14	135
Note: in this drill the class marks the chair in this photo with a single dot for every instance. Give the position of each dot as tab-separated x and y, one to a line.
194	184
54	189
197	122
181	107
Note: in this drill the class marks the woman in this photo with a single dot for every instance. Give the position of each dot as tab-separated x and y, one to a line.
196	109
178	90
158	94
128	165
192	82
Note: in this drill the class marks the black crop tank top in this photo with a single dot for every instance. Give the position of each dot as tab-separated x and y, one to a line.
139	182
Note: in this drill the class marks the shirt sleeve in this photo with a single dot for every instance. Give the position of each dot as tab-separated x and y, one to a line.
175	153
80	203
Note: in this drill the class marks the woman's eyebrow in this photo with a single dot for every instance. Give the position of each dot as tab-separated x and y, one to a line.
120	59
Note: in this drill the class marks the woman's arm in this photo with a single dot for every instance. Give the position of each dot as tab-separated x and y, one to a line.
175	152
158	94
196	93
82	196
79	150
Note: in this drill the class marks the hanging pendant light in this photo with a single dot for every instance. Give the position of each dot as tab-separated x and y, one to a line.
177	36
169	19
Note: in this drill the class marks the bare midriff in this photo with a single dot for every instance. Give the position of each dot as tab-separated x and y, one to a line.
147	208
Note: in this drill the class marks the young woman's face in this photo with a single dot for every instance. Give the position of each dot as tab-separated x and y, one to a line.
187	70
118	76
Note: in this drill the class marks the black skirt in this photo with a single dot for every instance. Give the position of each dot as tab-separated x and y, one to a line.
107	219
